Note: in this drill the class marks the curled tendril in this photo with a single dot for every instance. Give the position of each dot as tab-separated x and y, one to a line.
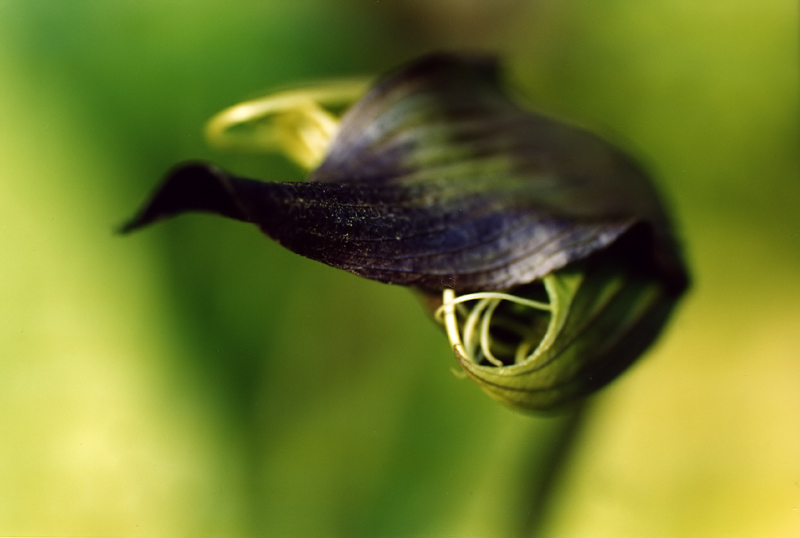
298	122
470	329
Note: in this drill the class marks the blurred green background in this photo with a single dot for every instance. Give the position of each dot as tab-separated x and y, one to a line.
196	379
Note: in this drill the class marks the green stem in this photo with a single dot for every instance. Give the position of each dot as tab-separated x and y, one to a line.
547	473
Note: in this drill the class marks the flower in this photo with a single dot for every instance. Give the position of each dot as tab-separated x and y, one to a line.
542	249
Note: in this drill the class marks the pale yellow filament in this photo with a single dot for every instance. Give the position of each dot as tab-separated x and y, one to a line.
292	121
477	323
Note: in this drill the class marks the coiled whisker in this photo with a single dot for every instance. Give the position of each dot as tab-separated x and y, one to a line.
470	321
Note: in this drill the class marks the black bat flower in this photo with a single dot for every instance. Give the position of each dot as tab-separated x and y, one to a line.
544	250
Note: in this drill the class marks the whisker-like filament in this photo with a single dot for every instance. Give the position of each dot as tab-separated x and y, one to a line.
473	319
298	122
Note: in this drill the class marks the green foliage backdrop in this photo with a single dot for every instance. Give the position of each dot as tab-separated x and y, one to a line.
196	379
